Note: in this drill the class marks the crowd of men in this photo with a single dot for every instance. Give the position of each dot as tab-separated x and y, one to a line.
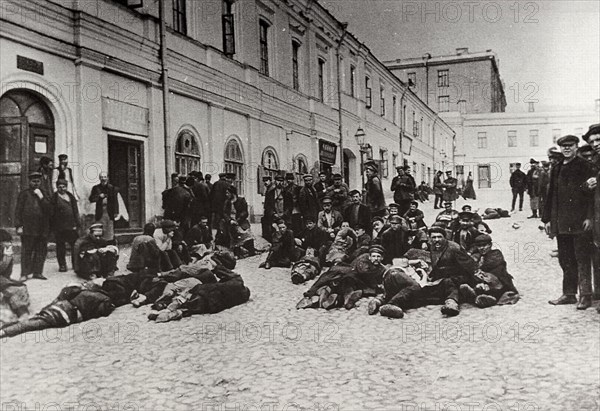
354	247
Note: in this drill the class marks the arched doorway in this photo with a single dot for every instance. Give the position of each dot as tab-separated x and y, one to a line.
26	135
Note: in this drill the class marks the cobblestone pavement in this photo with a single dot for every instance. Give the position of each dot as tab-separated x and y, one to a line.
266	355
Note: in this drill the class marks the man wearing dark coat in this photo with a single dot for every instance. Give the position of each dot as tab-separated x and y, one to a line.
450	185
321	185
63	171
200	205
568	215
403	186
217	198
283	250
65	222
94	256
592	137
46	169
234	230
32	221
375	199
291	187
357	214
438	190
279	203
105	195
329	219
338	193
308	201
533	189
415	217
394	240
466	232
518	184
200	236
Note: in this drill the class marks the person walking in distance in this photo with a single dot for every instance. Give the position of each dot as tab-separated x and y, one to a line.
518	183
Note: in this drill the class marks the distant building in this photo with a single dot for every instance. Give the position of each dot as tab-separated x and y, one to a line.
464	82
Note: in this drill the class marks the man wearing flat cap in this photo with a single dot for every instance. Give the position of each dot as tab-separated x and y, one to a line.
375	199
338	193
403	186
94	256
592	137
63	171
533	188
395	240
518	183
466	232
329	219
64	222
234	231
293	189
357	214
308	200
279	203
32	221
450	185
568	215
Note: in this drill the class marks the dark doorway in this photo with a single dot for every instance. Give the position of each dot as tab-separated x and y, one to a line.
26	134
125	171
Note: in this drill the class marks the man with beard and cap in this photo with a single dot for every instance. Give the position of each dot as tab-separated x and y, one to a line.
403	186
568	215
94	256
438	190
451	266
217	199
394	240
378	229
63	171
375	199
518	184
294	190
450	185
279	203
414	217
592	137
493	284
329	219
338	193
32	221
533	189
105	195
308	201
357	213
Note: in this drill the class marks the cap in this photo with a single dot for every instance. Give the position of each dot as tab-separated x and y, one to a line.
554	152
371	165
62	156
394	205
447	202
337	176
449	172
416	203
467	206
35	174
437	229
307	175
353	192
377	218
376	249
221	175
483	239
268	178
278	177
395	219
594	129
518	164
585	148
232	190
230	175
96	225
168	224
533	161
289	176
326	200
465	215
62	181
568	139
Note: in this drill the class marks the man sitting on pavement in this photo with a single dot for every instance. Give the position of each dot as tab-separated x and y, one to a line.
328	218
94	256
394	240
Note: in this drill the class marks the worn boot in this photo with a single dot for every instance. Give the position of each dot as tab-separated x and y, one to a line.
374	305
585	302
330	302
352	298
450	308
467	293
564	299
484	301
391	311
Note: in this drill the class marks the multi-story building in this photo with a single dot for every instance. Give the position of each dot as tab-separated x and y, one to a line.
253	86
464	82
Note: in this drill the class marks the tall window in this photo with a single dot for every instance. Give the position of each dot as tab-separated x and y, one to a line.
443	104
187	153
270	163
482	139
483	173
416	131
382	101
412	79
395	109
368	97
512	138
462	106
394	160
423	170
321	80
353	81
555	135
383	154
443	78
295	65
534	138
264	47
234	163
228	29
179	17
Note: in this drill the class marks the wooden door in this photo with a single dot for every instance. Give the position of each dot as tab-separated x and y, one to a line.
41	144
125	172
14	165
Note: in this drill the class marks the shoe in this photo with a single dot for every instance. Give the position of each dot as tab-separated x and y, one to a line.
152	315
62	269
306	302
39	277
352	298
554	253
484	301
585	302
298	278
323	294
23	278
564	299
533	216
512	210
330	302
391	311
467	293
520	209
374	305
138	302
450	308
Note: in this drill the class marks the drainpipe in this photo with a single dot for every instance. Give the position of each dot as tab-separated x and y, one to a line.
339	95
165	92
402	120
426	57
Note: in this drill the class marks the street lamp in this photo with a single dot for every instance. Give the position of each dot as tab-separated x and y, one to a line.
364	148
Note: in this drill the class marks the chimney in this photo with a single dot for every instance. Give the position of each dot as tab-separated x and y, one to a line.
462	50
531	107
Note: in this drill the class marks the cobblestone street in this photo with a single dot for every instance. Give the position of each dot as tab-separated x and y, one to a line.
266	355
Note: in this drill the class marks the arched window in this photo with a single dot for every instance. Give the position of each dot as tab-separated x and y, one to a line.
270	163
234	163
300	167
187	153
